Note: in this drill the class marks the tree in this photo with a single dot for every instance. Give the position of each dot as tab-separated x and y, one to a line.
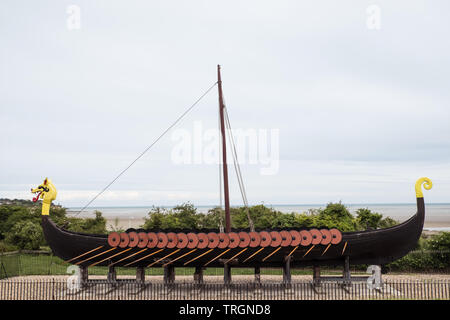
367	219
155	218
335	215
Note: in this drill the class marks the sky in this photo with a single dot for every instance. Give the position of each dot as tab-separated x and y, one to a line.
340	100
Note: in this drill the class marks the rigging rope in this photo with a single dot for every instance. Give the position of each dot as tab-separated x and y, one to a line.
148	148
238	170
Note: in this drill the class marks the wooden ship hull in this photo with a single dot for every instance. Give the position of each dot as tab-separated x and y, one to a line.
375	247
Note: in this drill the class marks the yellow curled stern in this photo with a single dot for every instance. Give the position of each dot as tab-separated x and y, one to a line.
427	184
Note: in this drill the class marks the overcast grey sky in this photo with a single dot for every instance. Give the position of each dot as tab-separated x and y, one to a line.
361	112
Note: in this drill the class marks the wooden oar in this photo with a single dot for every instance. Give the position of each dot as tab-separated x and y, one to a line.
292	251
94	264
198	257
236	255
95	256
179	257
149	255
216	257
325	249
131	255
81	255
271	254
254	254
308	251
151	264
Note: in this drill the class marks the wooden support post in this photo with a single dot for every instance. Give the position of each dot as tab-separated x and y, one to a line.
112	275
287	270
140	275
198	275
84	275
169	274
227	274
346	274
258	275
316	276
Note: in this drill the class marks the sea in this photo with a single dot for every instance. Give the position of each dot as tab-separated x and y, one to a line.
437	215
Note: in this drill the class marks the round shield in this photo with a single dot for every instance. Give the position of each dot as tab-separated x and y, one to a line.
134	239
182	240
316	236
192	240
172	240
162	240
124	240
296	238
265	239
244	238
255	239
234	240
202	240
286	238
143	240
326	236
336	236
152	240
213	240
276	239
114	239
224	240
306	238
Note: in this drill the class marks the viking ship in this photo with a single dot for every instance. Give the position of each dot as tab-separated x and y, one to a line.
286	248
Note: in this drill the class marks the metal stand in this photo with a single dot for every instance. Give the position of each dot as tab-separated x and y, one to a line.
112	275
287	271
258	275
84	276
227	274
198	275
140	275
169	274
346	277
345	280
316	276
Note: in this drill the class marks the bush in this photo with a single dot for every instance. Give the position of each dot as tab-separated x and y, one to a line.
95	225
25	235
439	248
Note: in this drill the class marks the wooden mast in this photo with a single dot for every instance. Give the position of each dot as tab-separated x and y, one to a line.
224	154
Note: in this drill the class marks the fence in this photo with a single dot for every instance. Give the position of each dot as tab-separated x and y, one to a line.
62	289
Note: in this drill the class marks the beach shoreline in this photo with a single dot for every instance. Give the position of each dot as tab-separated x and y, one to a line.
123	223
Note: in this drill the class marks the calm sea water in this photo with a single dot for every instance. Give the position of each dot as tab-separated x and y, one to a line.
437	215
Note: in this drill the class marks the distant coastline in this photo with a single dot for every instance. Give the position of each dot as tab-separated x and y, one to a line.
437	216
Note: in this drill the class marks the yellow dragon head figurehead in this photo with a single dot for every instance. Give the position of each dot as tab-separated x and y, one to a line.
47	192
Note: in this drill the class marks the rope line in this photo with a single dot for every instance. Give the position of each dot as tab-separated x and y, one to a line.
237	168
148	148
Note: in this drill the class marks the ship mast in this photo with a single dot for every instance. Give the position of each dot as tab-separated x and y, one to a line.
224	154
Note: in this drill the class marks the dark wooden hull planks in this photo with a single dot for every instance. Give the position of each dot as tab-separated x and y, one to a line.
244	249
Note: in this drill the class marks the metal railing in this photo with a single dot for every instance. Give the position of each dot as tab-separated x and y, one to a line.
64	289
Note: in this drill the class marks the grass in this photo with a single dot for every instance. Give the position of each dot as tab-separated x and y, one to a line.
41	264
